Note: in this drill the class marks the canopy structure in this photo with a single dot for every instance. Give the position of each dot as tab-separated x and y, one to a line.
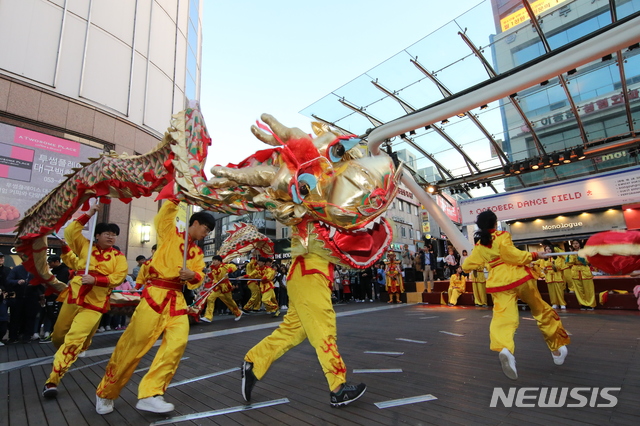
509	95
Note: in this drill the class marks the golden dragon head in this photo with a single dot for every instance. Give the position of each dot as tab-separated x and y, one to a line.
324	182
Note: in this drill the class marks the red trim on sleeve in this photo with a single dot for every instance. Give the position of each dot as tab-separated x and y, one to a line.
84	219
196	278
101	280
534	255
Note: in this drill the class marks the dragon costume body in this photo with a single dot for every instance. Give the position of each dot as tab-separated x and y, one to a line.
321	187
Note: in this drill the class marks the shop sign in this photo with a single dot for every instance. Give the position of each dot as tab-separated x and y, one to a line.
586	223
31	165
586	108
521	15
407	196
603	190
449	206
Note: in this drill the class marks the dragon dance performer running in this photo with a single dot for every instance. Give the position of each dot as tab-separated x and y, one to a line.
255	301
219	277
264	275
162	309
88	295
511	278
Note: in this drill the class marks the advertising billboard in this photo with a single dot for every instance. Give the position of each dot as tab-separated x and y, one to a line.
31	165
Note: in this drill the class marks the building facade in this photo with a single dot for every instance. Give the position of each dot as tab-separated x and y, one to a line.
91	76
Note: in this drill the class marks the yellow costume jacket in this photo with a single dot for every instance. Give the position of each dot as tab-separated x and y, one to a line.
394	276
579	267
477	275
508	265
109	267
458	282
551	275
162	278
218	273
264	274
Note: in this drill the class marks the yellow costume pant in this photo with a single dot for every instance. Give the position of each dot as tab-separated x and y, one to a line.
269	300
67	315
506	318
480	293
583	285
254	302
226	299
141	334
454	293
566	275
311	316
556	293
71	335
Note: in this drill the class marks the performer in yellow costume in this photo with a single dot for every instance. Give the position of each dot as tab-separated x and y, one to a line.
582	279
509	279
553	277
255	301
395	284
310	316
162	310
87	296
479	282
267	274
457	286
219	277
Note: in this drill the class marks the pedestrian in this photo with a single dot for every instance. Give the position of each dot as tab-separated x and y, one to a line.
430	266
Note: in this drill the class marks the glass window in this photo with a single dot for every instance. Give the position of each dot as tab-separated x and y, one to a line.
403	232
285	232
400	205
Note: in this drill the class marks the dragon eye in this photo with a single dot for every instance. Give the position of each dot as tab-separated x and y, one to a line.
304	189
340	147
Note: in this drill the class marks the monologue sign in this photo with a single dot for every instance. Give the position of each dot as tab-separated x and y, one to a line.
604	190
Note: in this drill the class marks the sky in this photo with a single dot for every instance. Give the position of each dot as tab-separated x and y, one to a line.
280	56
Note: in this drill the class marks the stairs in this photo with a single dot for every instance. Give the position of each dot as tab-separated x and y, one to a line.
601	283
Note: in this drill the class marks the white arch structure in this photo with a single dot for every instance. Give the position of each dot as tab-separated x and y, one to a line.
616	38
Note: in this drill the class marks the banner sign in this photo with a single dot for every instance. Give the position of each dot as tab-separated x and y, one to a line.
449	206
31	165
603	190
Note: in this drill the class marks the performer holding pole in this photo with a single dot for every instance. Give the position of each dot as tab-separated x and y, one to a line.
88	295
221	288
162	310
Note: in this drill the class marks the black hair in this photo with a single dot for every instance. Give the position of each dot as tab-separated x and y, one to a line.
141	257
203	218
263	259
54	259
486	221
219	258
106	227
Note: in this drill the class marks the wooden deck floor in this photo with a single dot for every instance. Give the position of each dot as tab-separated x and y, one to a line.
444	353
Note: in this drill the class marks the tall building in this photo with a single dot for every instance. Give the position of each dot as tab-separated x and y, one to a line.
85	77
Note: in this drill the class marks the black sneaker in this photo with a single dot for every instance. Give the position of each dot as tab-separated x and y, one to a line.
50	391
347	394
248	380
